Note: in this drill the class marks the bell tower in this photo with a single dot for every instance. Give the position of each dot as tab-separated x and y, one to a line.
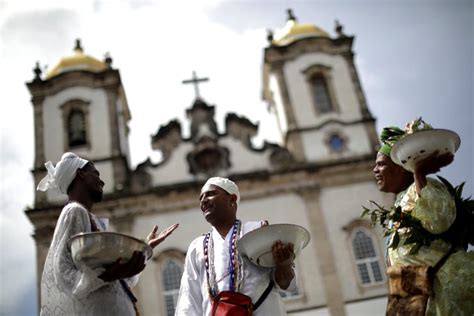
80	106
311	83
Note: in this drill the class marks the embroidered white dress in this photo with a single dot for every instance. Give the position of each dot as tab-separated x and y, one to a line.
193	296
70	290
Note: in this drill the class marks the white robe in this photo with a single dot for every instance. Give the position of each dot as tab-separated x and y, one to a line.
193	296
69	290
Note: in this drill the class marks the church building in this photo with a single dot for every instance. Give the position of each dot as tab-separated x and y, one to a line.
317	176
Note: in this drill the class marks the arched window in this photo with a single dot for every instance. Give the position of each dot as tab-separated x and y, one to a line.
76	128
321	89
171	272
367	261
321	96
76	124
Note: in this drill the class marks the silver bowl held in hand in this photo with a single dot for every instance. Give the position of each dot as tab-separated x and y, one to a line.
419	145
257	244
99	249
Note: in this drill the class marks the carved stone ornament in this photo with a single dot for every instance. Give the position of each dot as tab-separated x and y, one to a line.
208	157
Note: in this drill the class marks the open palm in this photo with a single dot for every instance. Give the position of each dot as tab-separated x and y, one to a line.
155	238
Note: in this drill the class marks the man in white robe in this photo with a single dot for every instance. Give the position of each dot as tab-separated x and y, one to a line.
67	289
218	202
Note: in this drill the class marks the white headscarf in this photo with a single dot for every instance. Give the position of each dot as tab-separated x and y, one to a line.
61	176
225	184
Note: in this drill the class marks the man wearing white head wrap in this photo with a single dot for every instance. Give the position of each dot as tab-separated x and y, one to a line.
210	268
68	289
61	176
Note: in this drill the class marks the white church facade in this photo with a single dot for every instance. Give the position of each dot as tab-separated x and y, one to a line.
317	177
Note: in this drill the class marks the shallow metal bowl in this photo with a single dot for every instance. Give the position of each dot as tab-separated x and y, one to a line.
417	146
99	249
257	244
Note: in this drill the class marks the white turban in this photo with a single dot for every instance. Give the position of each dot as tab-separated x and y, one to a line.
225	184
61	176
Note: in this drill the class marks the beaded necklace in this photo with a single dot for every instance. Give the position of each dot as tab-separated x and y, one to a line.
234	267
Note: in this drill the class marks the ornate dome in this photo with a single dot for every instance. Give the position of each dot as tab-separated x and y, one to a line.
79	61
294	31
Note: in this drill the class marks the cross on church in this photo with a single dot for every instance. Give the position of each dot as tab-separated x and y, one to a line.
195	81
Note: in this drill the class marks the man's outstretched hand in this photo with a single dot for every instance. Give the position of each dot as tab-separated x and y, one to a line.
119	270
155	238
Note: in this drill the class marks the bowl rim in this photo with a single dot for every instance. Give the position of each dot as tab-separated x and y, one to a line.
147	247
259	230
398	144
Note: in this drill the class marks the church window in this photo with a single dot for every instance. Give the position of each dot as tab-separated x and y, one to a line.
171	273
321	88
367	262
76	124
76	128
321	96
336	143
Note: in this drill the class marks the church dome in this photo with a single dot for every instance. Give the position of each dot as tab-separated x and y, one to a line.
294	31
79	61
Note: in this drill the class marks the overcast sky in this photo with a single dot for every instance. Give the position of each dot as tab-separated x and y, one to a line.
415	58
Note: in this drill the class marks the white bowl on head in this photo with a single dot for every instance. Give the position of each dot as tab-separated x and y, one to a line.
417	146
100	249
257	244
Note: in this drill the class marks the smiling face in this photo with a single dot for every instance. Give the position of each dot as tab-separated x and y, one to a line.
218	206
91	179
390	177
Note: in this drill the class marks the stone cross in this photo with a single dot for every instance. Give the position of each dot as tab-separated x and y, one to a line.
195	81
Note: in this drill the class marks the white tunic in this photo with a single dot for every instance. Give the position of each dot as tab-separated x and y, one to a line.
69	290
193	296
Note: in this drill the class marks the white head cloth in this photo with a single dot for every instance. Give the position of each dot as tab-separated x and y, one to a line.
61	176
225	184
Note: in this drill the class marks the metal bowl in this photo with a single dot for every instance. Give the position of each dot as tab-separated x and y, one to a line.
257	244
417	146
99	249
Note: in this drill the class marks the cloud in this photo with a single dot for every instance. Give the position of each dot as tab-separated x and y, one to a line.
17	272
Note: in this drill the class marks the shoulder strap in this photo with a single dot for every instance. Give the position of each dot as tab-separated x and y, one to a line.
264	295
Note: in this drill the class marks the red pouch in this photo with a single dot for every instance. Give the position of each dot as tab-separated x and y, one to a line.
228	303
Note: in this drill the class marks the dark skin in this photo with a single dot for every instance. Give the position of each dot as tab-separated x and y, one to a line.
220	208
87	189
393	178
390	177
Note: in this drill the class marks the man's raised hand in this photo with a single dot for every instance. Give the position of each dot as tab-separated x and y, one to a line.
155	238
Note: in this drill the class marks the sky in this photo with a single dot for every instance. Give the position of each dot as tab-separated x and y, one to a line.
414	58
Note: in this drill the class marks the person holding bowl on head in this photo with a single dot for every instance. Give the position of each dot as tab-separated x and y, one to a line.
429	270
67	289
217	280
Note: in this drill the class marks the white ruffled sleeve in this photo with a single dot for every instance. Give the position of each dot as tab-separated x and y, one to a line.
73	280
